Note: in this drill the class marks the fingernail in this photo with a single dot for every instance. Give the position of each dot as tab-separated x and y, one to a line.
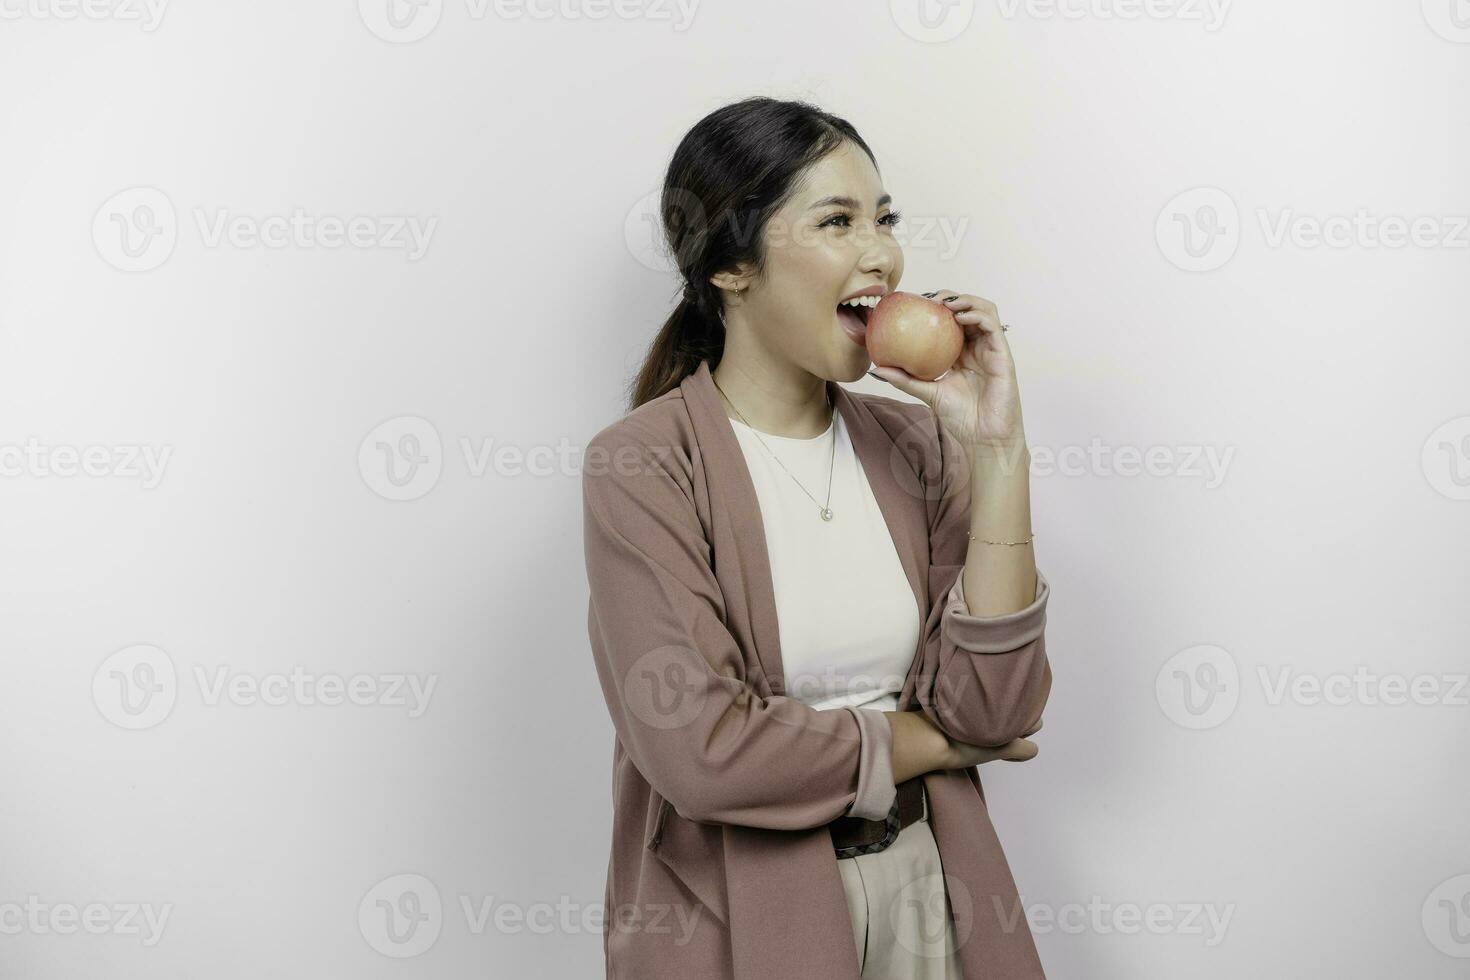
950	299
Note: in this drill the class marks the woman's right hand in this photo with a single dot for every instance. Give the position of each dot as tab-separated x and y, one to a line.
920	747
962	755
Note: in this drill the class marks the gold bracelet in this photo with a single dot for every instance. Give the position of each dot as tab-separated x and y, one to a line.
987	541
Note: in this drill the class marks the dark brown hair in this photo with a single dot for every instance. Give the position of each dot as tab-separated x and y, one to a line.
734	169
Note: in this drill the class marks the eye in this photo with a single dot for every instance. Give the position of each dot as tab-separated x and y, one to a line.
892	218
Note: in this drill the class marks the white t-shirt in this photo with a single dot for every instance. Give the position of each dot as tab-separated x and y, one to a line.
848	622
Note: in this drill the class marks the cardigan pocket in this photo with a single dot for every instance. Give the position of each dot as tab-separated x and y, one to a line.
664	806
694	854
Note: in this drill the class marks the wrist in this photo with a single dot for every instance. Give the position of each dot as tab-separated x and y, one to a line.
1001	459
918	746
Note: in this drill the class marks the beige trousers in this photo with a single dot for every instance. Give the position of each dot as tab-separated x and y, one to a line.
900	909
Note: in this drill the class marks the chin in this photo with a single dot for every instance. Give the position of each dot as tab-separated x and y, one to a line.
853	368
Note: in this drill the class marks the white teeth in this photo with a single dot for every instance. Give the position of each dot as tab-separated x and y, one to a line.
868	301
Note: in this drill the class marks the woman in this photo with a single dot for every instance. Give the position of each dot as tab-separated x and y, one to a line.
806	636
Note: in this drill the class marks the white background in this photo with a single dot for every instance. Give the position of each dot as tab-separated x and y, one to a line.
280	380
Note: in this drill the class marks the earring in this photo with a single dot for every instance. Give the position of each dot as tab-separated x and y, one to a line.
722	309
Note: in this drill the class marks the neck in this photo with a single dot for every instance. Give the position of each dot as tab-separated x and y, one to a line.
789	402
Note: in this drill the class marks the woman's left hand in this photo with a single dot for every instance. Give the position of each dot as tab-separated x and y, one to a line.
977	400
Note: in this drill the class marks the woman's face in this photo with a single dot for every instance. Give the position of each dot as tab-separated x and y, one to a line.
818	252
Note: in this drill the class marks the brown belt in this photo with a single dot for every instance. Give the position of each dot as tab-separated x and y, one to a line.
852	836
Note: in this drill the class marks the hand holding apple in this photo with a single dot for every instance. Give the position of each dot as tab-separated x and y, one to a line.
915	333
978	399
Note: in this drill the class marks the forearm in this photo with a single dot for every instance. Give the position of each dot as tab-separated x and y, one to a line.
1000	578
918	747
986	676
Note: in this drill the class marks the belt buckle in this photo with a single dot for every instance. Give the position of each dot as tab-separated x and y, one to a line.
890	834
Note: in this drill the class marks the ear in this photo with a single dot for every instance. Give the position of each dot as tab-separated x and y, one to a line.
733	282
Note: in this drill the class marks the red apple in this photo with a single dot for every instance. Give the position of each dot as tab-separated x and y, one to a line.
915	333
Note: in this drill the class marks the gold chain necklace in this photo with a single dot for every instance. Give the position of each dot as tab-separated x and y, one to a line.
822	509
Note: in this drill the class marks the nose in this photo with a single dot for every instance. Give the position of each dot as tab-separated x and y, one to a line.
880	258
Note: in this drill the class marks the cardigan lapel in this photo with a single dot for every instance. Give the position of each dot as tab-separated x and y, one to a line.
729	476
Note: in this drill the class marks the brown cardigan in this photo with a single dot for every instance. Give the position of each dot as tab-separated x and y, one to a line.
721	866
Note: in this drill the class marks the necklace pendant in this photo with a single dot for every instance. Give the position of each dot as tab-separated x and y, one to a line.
826	513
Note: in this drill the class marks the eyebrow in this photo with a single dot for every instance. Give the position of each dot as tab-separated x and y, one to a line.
847	202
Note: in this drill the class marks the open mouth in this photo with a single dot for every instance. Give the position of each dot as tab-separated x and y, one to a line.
854	320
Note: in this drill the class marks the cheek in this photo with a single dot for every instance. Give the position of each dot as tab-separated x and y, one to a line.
813	252
806	275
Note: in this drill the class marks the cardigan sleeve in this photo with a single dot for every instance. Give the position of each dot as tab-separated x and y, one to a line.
986	679
673	675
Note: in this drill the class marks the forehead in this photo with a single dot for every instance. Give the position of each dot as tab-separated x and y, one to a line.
846	173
